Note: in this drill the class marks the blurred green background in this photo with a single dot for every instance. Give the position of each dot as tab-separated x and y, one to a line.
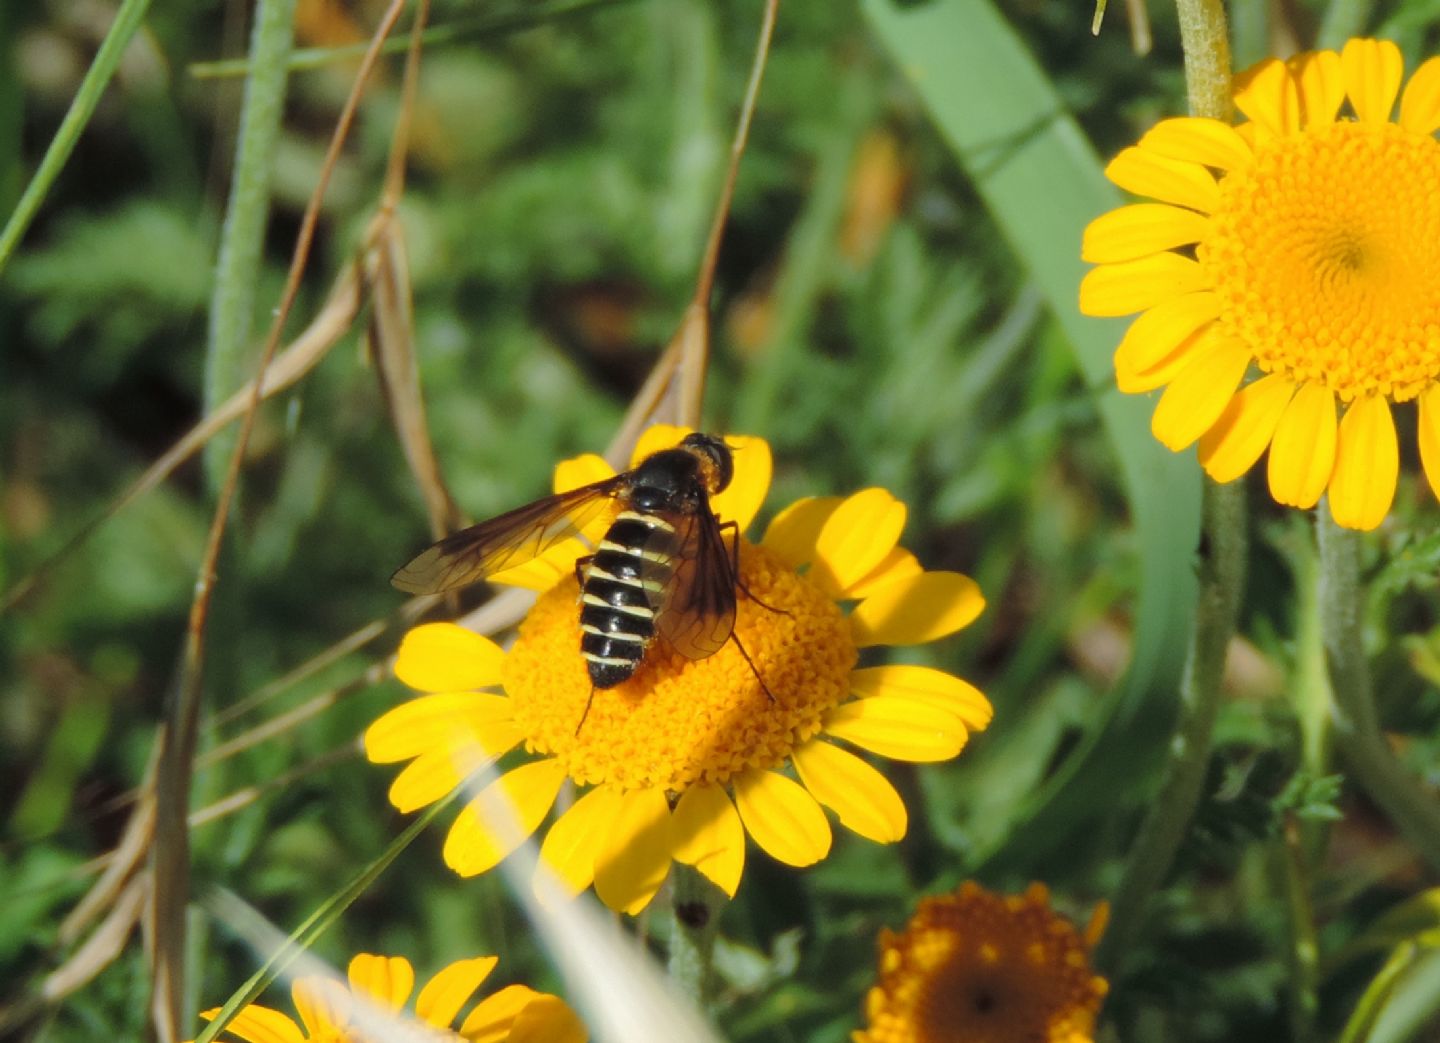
892	309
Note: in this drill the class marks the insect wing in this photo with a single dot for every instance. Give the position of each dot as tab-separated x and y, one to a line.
492	546
696	611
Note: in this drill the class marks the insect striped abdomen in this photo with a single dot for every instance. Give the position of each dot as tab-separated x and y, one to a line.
620	596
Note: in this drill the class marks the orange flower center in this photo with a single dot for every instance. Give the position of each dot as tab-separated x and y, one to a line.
677	722
1326	256
978	967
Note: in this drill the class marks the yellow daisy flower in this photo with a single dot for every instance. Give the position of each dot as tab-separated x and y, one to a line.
330	1013
1289	271
686	757
980	967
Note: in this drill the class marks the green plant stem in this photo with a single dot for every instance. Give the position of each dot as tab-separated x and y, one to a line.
1304	955
237	269
107	59
1204	35
1414	811
1222	578
695	907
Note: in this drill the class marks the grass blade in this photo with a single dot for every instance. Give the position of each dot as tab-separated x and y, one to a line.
97	78
320	920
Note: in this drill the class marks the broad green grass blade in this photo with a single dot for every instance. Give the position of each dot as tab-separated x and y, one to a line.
318	922
1043	182
97	78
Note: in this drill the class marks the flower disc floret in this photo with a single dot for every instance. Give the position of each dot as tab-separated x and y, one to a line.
979	967
679	722
1326	256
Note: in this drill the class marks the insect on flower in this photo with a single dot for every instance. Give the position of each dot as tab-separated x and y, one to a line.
661	569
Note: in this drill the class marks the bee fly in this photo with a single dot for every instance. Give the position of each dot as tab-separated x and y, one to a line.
661	569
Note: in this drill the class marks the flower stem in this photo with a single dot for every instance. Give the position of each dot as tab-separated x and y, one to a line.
228	360
1357	734
1304	954
1205	37
695	918
1222	577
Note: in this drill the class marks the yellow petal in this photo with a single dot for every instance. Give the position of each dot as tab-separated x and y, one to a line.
547	1019
783	817
657	437
256	1024
1197	139
1429	436
543	571
634	856
570	846
856	538
1321	83
1367	464
1420	104
1147	173
422	724
443	995
491	1020
436	772
924	684
865	802
586	469
1140	230
1132	286
742	498
384	980
1199	393
901	728
705	832
1302	453
322	1003
443	657
793	532
1235	442
912	610
1133	381
1163	330
898	564
502	817
1373	71
1267	93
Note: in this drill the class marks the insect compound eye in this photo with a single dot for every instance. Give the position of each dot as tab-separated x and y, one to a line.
719	454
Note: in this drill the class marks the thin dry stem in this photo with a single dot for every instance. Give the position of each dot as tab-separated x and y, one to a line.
693	336
171	853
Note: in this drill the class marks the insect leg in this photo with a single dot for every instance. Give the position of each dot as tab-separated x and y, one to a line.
588	700
734	528
734	637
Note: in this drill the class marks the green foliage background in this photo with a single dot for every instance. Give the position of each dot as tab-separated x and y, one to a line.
563	177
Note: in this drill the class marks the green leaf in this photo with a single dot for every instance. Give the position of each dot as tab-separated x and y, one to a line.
1006	125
